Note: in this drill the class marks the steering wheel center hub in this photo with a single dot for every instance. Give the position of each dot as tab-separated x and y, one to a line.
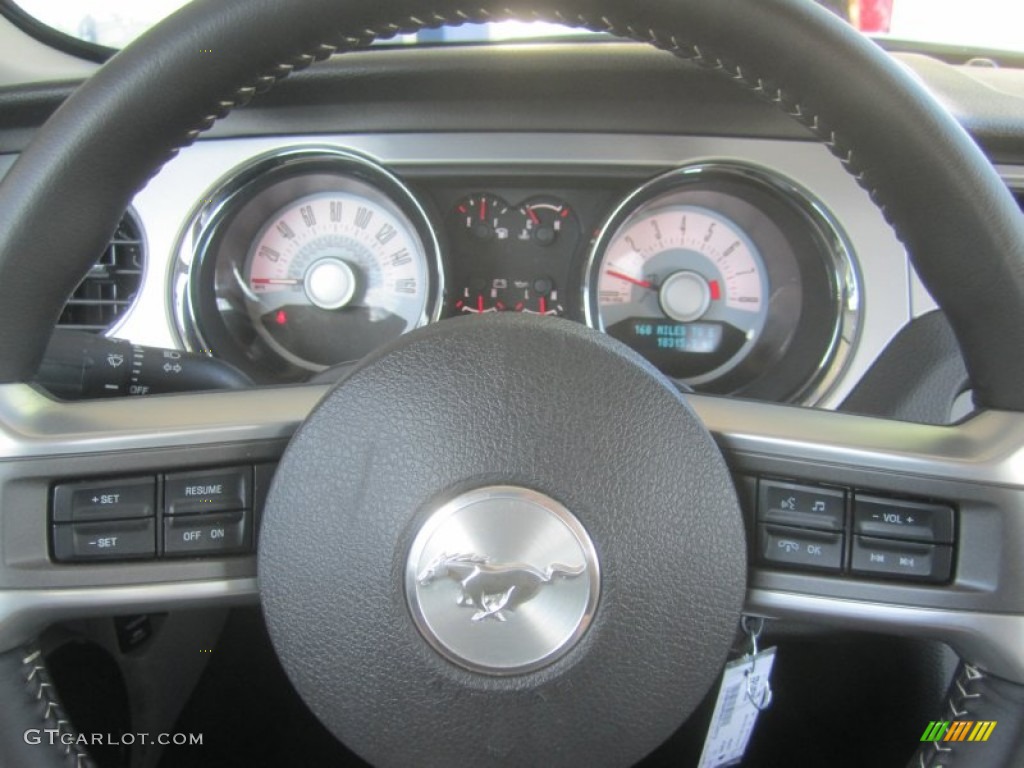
502	580
421	571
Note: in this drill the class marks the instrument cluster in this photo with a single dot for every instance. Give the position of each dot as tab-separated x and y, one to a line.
511	257
726	277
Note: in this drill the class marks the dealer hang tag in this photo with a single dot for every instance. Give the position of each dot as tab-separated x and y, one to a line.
745	692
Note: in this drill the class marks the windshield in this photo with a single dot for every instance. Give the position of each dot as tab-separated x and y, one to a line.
980	24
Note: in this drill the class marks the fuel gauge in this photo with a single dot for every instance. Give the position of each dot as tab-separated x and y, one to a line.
483	217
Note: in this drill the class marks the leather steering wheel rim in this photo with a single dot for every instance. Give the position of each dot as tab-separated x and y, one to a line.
930	180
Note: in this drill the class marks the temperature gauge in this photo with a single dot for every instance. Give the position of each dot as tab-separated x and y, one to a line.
544	220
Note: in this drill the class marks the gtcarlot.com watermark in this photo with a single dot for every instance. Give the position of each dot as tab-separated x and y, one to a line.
63	738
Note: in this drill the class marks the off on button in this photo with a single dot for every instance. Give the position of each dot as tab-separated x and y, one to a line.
216	534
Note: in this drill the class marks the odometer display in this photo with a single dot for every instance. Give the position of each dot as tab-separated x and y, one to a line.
695	338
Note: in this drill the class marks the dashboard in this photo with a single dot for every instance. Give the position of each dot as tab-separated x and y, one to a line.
725	275
736	266
704	231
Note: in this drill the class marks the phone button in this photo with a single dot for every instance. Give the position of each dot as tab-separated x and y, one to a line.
797	547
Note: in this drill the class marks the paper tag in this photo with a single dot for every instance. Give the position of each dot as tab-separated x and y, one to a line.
735	712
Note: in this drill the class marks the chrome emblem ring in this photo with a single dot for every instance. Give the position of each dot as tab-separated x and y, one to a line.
502	580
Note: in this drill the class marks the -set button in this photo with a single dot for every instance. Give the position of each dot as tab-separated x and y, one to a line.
804	506
111	540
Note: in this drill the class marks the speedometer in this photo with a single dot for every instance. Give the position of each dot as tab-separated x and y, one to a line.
332	276
729	279
686	286
305	259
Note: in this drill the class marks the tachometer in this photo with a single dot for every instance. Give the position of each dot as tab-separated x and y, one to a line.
729	279
687	287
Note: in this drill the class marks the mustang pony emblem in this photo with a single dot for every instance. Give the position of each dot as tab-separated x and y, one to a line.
492	589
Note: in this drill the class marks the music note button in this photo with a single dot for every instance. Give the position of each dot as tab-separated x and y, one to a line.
804	506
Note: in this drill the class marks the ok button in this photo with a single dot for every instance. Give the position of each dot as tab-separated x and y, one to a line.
800	548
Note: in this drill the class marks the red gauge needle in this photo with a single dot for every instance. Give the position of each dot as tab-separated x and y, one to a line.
533	215
628	279
274	281
483	208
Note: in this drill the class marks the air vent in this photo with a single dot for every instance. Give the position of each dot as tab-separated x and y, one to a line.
111	285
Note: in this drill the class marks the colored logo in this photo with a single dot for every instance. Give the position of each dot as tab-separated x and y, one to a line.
958	730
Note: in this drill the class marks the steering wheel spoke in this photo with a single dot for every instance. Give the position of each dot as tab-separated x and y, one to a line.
875	475
972	467
143	441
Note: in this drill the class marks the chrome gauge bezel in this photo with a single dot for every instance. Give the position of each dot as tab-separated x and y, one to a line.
307	169
831	250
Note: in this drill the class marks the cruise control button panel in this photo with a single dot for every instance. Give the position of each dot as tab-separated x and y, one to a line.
199	513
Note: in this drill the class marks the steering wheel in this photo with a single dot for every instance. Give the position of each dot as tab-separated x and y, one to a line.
605	570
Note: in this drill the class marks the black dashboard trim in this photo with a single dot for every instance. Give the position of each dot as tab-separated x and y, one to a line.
408	89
